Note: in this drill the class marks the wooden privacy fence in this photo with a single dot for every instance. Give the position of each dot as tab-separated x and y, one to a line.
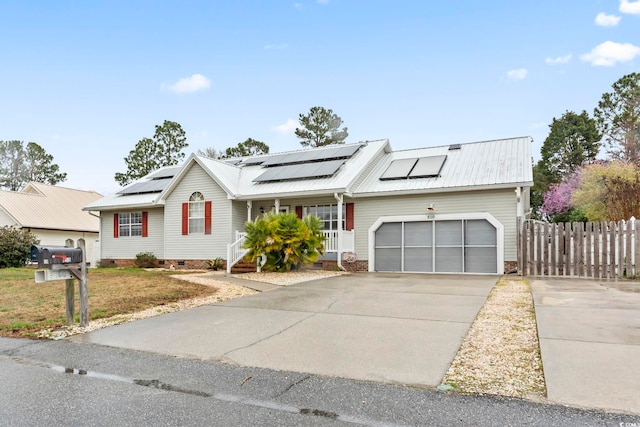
581	249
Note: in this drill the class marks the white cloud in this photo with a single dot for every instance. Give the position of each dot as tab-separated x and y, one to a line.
558	60
604	20
276	46
609	53
517	74
631	7
189	84
288	127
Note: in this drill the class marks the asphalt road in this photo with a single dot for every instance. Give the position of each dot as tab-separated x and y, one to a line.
63	383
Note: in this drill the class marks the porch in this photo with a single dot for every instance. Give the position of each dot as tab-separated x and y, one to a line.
336	242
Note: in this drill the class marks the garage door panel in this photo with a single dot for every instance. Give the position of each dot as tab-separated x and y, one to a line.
389	234
448	233
448	260
480	260
418	260
388	259
418	233
479	232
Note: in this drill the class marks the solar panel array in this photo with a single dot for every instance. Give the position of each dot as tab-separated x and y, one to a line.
152	186
165	173
300	171
310	156
423	167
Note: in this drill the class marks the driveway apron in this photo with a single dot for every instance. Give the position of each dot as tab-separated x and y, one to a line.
396	328
590	341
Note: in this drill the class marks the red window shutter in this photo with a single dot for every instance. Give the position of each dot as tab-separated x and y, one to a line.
145	221
299	211
348	223
185	219
116	225
207	217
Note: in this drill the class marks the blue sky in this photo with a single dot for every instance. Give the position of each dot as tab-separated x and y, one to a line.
88	79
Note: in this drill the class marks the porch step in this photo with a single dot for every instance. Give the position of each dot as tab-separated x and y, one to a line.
244	267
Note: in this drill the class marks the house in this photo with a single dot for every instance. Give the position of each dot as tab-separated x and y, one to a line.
54	214
449	209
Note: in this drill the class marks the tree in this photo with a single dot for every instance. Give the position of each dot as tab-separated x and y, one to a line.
209	152
149	154
609	191
250	147
15	246
170	139
573	140
618	116
18	165
141	161
286	241
40	166
558	199
320	127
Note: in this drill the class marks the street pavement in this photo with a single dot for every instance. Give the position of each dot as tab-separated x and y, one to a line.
62	383
589	334
392	328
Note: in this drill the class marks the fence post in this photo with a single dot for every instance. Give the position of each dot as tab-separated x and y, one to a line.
597	235
553	248
612	248
627	251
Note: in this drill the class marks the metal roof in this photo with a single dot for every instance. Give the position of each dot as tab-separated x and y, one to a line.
503	162
486	164
50	207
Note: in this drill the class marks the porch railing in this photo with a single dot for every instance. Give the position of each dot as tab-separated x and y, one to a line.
235	251
331	242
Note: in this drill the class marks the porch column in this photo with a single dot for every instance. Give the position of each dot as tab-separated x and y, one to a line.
339	199
249	206
277	205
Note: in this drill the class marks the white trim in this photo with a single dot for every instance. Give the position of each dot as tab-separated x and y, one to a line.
440	217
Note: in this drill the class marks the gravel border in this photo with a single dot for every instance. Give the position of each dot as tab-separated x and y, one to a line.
501	352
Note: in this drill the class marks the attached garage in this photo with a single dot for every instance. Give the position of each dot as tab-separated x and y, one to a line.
443	244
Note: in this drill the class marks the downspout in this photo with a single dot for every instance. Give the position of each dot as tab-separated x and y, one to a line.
99	240
339	199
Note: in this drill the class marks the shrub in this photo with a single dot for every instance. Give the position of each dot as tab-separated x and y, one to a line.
287	241
15	246
215	264
146	260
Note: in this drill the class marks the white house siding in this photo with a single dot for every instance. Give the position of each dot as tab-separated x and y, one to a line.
499	203
129	247
59	238
197	246
239	217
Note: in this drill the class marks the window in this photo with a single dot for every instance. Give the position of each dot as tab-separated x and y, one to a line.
196	213
328	215
130	224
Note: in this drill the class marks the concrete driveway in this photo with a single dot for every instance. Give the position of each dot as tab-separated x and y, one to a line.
396	328
590	341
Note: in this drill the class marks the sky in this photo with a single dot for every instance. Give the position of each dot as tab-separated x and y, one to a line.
86	80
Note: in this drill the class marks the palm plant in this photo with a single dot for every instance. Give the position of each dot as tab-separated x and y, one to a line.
287	241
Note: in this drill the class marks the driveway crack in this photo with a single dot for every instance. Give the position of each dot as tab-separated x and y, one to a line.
269	336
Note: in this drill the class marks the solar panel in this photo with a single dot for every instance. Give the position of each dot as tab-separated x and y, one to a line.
300	171
315	155
165	173
252	161
399	169
428	167
152	186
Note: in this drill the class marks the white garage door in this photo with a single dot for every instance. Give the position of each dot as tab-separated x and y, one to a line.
451	246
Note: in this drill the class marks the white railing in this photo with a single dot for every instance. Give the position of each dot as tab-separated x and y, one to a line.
331	242
235	251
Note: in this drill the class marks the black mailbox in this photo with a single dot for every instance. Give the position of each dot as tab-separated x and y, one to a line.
49	255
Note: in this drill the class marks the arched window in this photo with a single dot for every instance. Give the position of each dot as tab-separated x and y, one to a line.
196	213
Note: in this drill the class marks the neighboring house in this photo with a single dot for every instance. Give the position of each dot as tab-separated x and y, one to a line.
54	214
449	209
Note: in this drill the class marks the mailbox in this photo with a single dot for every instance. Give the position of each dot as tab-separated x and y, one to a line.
46	256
